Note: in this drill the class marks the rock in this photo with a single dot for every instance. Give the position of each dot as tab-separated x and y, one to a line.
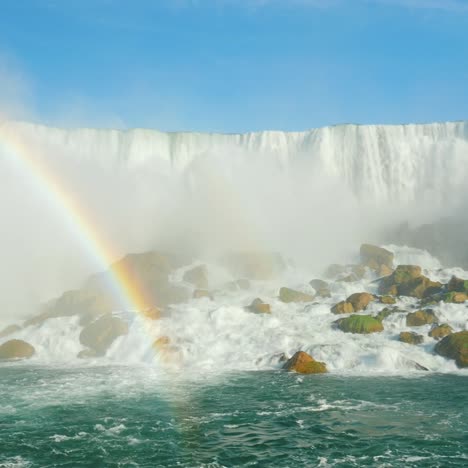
200	293
319	284
259	307
334	270
100	334
407	280
255	265
384	313
342	307
384	270
363	324
303	363
197	276
360	301
324	292
440	331
152	313
387	300
411	338
421	317
458	285
16	349
454	346
291	295
359	271
9	330
374	257
455	297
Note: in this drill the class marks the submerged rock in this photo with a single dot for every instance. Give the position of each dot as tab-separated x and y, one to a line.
16	349
303	363
421	317
259	307
410	338
376	257
100	334
440	331
198	276
454	346
291	295
362	324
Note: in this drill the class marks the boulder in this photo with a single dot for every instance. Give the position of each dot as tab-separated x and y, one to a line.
455	297
254	265
319	284
387	300
384	270
291	295
458	285
440	331
259	307
410	338
101	333
16	349
198	276
363	324
342	307
375	257
303	363
200	293
420	318
9	330
360	301
407	280
454	346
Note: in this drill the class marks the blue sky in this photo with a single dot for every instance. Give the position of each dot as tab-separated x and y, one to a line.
234	66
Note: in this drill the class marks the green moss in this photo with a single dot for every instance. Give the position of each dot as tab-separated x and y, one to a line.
360	324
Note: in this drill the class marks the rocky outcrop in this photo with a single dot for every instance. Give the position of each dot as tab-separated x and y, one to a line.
16	349
410	338
362	324
440	331
100	334
303	363
454	346
197	276
420	318
254	265
259	307
376	258
408	280
291	295
321	287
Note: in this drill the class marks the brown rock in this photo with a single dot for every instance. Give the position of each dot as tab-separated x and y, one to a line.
16	349
440	331
458	285
360	301
303	363
387	300
374	256
420	317
259	307
454	346
384	270
411	338
342	307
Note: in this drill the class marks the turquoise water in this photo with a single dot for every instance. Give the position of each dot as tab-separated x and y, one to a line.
117	416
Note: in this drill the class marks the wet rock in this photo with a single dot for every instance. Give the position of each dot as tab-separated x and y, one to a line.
384	313
16	349
440	331
255	265
455	297
384	270
259	307
411	338
420	318
342	307
198	276
362	324
291	295
360	301
319	284
458	285
100	334
200	293
387	300
9	330
303	363
375	257
454	346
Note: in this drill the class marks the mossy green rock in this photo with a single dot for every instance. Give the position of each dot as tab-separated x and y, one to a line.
16	349
411	338
440	331
384	313
362	324
405	273
291	295
454	346
420	318
100	334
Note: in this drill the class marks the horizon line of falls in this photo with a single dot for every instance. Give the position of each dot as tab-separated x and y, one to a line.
313	196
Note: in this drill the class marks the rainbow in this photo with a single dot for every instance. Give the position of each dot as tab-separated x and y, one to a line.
128	293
